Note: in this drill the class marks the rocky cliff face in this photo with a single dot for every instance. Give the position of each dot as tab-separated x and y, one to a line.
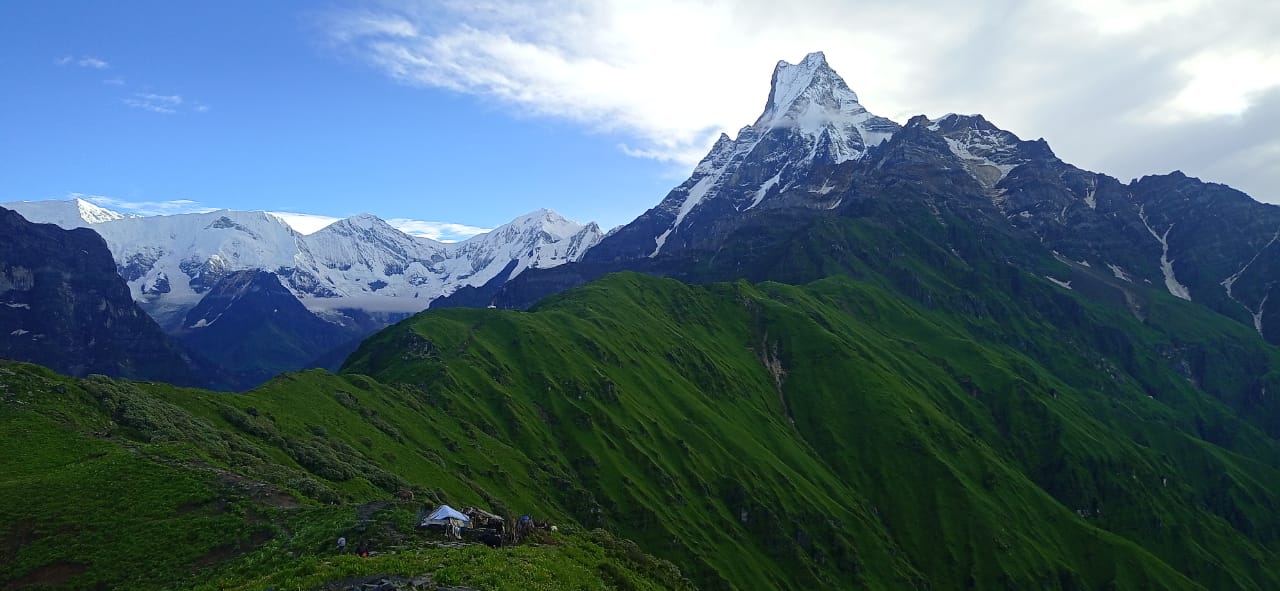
62	305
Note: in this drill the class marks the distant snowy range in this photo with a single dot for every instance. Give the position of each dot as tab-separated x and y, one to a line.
360	263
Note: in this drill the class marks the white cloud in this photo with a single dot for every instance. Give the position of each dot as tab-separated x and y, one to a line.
87	61
117	81
156	103
92	62
438	231
310	223
1102	80
304	223
167	104
146	208
1129	16
1224	83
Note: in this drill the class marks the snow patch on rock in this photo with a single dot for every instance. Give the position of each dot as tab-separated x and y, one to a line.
1059	282
1119	273
1166	265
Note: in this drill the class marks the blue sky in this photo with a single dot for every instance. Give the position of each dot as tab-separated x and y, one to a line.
473	112
272	117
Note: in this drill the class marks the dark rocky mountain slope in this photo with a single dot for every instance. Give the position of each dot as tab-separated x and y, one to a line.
751	196
249	321
62	305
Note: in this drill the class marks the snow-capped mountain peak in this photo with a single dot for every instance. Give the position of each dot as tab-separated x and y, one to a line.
94	214
367	221
539	239
371	228
546	220
808	88
66	213
813	98
811	117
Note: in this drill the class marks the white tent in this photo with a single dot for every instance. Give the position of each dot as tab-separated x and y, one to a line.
446	514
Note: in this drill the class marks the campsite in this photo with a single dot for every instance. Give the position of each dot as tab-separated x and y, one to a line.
409	550
441	526
480	526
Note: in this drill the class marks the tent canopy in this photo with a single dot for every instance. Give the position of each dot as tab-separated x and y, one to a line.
446	512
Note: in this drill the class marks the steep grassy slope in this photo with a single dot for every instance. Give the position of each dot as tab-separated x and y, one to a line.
1022	450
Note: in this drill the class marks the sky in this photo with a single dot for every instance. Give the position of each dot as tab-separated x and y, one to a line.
448	117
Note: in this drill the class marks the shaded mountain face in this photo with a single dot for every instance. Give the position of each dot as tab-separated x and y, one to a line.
62	305
250	323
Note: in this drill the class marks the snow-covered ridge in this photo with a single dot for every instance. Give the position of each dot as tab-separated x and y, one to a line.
68	213
362	262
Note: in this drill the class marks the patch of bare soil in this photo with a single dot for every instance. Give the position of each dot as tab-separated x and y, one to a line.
19	535
50	575
385	583
258	491
229	551
211	507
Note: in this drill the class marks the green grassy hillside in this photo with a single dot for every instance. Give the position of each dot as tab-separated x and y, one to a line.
109	485
833	433
830	435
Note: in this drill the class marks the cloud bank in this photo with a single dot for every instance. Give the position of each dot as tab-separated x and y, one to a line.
438	231
304	223
156	103
145	208
308	223
86	61
1126	87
